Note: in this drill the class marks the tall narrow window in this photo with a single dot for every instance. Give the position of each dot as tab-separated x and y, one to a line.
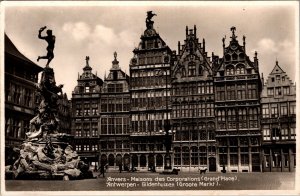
87	89
192	69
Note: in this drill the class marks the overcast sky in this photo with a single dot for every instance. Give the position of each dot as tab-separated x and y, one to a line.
98	31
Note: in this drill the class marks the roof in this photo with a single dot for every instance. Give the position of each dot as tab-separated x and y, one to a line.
11	49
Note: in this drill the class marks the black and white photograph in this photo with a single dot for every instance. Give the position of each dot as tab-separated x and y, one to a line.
149	97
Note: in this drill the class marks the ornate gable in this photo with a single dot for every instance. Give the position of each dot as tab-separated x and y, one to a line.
152	49
235	60
87	81
192	60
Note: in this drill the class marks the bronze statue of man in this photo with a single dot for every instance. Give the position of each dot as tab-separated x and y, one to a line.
50	39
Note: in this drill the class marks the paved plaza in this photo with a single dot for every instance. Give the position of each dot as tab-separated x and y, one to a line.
154	181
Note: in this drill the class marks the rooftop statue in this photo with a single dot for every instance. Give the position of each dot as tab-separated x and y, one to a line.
50	39
149	22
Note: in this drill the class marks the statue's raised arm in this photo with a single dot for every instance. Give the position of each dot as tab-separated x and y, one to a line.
50	39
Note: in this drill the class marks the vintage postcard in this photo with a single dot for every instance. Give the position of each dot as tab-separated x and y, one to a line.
149	98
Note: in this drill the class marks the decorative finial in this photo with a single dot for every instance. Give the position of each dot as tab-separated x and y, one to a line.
223	40
186	30
276	61
87	58
255	54
233	35
115	55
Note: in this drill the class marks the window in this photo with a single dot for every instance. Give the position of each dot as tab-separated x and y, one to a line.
283	109
78	147
277	91
265	111
231	119
278	77
94	147
87	89
292	108
221	119
293	133
253	119
274	111
203	155
270	91
223	159
276	134
86	148
242	118
240	70
220	91
231	92
177	156
192	69
194	155
233	159
286	90
266	134
200	70
252	91
284	133
241	91
229	70
185	155
244	159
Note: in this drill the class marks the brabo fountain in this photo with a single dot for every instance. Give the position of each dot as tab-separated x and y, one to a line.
46	153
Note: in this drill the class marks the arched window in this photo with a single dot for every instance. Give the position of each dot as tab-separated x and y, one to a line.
111	160
118	159
200	71
229	70
227	57
103	159
234	56
241	56
143	161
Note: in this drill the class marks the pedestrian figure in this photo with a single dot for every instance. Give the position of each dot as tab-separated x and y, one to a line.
102	171
50	39
120	167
